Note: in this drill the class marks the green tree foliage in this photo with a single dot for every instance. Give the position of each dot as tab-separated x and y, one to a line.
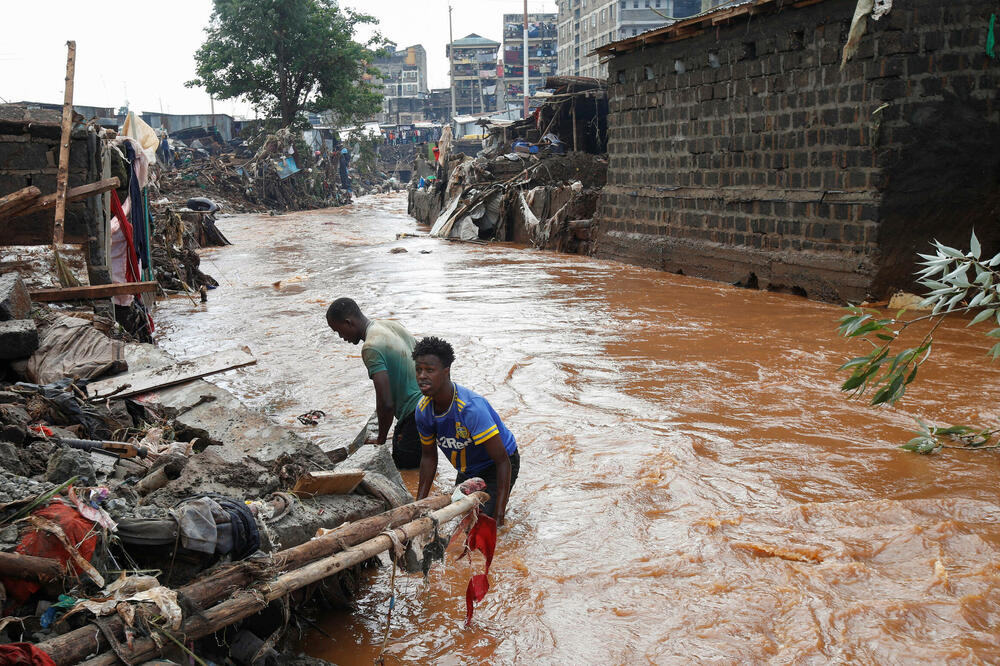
289	56
956	282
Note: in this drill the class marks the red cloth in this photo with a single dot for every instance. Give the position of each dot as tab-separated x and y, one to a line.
132	263
482	537
24	654
42	544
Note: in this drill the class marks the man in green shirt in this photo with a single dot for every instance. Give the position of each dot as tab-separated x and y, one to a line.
387	354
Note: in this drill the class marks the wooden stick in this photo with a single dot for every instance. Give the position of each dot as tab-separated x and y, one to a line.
74	646
91	292
18	200
29	567
249	602
73	194
62	176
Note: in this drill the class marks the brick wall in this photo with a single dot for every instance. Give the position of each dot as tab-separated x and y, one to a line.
29	155
745	154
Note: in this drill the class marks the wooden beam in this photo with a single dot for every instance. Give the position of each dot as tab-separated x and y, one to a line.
18	200
73	194
62	176
92	292
144	381
327	483
29	567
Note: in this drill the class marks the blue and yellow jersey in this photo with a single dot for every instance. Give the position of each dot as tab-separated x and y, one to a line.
468	422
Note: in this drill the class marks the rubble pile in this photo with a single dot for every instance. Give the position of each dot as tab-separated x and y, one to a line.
545	200
110	501
536	181
276	177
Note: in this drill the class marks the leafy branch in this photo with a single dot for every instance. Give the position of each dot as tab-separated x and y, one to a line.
956	282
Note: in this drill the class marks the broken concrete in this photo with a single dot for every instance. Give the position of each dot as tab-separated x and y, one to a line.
15	303
204	410
18	338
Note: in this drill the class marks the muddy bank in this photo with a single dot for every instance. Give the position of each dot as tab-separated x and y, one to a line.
148	492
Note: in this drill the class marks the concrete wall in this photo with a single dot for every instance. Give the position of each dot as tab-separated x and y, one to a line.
745	154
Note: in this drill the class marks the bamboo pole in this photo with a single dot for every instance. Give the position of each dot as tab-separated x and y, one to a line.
74	646
249	602
62	176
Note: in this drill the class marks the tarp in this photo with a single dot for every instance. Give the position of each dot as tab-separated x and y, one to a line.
73	347
136	128
286	167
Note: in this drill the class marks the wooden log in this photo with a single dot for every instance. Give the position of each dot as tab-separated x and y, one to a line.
18	200
249	602
74	646
73	194
62	175
29	567
327	483
91	292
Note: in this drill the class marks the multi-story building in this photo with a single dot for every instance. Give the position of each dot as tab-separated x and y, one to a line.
474	76
584	25
542	35
404	85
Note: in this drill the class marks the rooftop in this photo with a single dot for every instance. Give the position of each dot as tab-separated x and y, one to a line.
475	40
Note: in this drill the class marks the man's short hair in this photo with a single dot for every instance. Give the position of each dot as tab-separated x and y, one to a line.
341	309
433	346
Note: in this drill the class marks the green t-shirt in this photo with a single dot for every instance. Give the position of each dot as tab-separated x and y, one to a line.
389	347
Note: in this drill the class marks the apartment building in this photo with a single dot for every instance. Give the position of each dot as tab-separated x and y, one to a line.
404	84
542	44
584	25
474	74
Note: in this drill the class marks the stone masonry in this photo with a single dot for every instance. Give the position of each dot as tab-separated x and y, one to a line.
742	152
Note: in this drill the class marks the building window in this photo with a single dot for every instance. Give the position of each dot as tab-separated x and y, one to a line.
647	4
635	4
593	20
604	15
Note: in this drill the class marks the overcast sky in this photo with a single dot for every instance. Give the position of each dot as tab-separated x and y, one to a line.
143	51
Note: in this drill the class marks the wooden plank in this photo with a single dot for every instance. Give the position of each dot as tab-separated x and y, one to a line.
327	483
73	194
19	200
92	292
62	177
144	381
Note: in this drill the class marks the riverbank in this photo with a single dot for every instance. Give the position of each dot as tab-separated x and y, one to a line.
137	497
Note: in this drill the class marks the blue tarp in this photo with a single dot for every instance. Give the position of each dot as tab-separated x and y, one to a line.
286	167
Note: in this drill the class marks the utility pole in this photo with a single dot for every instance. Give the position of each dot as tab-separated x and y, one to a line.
524	62
451	64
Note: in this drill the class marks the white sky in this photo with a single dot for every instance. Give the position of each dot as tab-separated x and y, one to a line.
143	51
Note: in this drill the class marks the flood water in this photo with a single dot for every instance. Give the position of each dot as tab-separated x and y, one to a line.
693	487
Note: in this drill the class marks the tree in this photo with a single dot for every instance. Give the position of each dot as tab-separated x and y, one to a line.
289	56
957	282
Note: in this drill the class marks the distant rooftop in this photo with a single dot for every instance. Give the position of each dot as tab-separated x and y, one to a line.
475	40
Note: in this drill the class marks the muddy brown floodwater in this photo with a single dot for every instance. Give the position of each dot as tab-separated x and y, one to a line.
693	487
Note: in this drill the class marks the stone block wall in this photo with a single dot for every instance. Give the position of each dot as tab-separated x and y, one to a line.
746	154
29	155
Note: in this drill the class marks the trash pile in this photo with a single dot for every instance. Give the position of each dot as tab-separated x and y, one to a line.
277	177
545	200
142	508
536	181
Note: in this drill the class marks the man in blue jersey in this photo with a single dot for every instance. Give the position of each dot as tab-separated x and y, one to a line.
464	426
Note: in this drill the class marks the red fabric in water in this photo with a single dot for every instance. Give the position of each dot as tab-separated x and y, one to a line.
482	537
24	654
42	544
